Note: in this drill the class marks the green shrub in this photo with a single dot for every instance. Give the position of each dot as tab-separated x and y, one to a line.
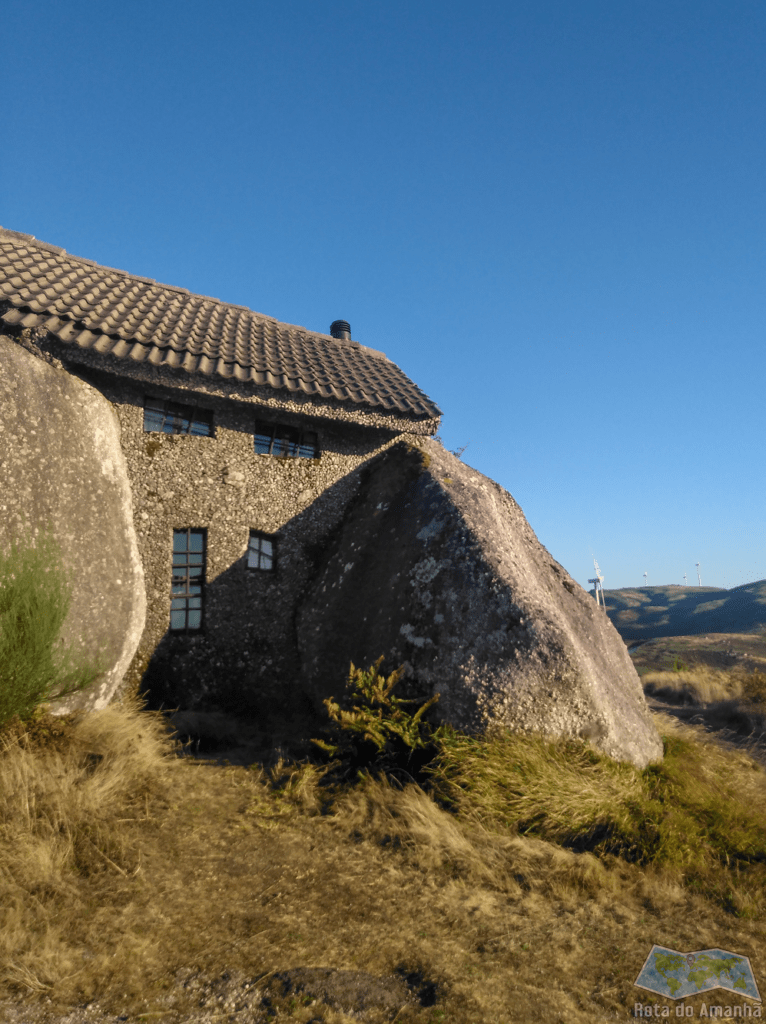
34	602
374	733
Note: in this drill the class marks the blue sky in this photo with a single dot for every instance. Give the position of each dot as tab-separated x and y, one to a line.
549	214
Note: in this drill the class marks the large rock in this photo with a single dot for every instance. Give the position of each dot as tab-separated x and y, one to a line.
436	567
62	470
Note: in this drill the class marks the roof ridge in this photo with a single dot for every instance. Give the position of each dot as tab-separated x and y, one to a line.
31	238
59	251
82	302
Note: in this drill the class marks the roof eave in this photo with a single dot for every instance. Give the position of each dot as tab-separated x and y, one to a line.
118	357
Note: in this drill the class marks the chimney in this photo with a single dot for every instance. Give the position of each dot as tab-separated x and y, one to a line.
341	329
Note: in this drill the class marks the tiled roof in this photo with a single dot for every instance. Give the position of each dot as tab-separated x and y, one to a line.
117	314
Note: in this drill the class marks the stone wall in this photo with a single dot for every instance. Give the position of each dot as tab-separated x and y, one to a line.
244	659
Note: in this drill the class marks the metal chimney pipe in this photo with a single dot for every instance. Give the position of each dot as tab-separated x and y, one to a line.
341	329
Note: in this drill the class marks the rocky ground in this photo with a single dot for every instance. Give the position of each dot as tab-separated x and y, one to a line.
349	995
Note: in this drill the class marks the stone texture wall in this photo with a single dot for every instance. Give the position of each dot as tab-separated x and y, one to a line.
244	659
62	471
435	567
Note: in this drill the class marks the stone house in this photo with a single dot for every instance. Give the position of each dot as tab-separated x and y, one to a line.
241	436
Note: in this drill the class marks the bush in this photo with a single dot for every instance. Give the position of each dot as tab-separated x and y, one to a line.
34	602
374	734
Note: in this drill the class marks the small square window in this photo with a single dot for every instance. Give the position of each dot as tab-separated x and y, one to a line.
261	552
173	418
187	588
287	442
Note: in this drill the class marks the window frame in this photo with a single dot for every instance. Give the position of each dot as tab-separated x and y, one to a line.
269	429
181	579
261	535
173	412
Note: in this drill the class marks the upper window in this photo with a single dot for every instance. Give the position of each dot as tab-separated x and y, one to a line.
277	439
175	418
188	580
261	551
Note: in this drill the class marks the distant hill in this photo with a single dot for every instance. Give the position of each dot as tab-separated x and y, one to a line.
639	613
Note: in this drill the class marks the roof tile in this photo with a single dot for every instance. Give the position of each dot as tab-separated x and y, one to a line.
130	317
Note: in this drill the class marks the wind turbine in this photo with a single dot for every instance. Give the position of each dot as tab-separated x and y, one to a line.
645	575
685	584
699	578
599	582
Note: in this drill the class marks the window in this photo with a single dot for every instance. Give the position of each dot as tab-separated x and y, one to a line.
188	580
261	551
174	418
277	439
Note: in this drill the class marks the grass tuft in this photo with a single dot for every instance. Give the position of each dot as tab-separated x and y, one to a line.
689	816
66	788
733	701
701	685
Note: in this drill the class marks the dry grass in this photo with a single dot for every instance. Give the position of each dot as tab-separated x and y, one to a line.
700	685
69	789
733	701
527	878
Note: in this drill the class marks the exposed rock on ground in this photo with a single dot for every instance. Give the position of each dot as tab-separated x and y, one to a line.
196	998
62	469
435	566
354	991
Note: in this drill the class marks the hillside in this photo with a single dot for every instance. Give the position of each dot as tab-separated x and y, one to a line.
639	613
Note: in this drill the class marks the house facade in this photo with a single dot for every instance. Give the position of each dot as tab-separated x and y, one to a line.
244	438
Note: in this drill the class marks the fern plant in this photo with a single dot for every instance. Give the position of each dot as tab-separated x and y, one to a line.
375	733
